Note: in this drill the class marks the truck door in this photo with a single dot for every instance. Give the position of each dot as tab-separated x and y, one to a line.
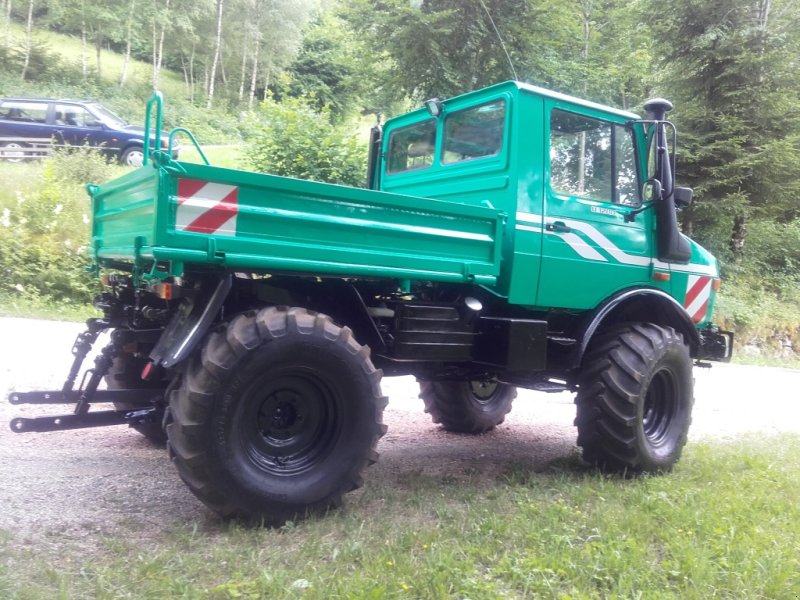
589	251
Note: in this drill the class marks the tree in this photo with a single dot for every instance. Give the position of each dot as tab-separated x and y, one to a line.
444	47
28	40
732	68
217	48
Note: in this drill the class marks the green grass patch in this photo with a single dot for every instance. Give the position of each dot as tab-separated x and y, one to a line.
725	524
228	156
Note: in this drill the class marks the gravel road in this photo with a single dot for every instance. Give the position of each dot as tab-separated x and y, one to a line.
75	485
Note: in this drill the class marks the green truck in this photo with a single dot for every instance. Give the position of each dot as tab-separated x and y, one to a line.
509	237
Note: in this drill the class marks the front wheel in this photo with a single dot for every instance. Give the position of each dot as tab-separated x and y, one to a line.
277	417
635	397
467	406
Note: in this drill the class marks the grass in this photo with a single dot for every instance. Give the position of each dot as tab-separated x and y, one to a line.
69	48
725	524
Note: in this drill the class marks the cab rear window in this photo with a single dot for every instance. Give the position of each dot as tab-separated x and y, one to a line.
412	148
475	132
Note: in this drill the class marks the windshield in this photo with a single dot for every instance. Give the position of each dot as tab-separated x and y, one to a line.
108	117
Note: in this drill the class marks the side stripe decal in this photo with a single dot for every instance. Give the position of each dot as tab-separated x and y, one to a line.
533	222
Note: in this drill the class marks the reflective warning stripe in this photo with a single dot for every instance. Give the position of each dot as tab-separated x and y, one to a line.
207	207
698	293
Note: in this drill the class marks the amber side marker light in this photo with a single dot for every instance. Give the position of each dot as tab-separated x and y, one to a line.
165	291
717	284
661	276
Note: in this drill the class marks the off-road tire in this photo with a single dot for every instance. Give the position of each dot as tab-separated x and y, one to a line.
467	406
635	397
125	374
277	416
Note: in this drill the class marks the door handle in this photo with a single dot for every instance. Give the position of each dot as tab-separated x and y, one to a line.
558	226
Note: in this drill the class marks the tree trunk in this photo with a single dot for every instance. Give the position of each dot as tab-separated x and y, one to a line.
244	67
217	47
123	78
98	47
254	76
28	40
586	16
191	73
155	56
84	58
7	41
738	236
161	45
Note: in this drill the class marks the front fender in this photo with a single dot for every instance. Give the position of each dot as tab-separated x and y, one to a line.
640	304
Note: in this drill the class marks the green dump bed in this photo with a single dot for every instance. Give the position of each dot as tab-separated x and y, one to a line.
207	215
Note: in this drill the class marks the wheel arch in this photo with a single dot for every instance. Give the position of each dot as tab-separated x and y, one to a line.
640	304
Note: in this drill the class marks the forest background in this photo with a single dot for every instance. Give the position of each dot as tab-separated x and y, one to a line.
290	86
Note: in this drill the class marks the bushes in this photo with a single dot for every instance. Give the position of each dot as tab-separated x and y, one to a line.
294	140
44	232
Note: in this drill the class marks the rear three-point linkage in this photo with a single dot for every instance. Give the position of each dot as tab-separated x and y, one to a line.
87	393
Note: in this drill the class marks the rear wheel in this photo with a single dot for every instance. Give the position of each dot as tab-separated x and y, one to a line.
635	397
13	152
467	406
277	417
133	157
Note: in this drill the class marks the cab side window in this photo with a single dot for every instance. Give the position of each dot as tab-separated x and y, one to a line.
594	159
412	147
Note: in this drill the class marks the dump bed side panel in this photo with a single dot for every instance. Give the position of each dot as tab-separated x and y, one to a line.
123	214
246	220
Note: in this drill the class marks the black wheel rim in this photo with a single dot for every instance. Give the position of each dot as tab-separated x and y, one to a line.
290	422
483	392
660	407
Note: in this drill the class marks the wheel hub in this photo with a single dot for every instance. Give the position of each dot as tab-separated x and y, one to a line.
483	390
659	407
292	422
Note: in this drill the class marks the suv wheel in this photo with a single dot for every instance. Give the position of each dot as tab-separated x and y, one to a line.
133	157
13	152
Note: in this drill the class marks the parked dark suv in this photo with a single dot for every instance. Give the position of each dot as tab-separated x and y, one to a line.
30	127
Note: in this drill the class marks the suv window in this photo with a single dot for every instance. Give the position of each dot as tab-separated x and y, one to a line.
76	116
590	158
412	147
24	112
474	132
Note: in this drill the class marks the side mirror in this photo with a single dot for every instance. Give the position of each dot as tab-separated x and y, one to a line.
683	197
651	190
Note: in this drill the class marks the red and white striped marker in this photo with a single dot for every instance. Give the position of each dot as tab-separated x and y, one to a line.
207	207
698	293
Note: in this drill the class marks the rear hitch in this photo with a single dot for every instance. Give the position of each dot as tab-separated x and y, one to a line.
87	393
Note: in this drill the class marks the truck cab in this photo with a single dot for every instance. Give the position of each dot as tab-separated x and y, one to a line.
569	176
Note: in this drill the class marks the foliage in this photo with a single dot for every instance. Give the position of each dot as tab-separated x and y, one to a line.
45	234
294	140
736	85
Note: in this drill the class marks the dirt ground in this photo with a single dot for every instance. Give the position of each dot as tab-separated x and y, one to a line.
77	484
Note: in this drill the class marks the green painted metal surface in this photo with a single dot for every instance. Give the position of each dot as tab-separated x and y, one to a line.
264	222
489	192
